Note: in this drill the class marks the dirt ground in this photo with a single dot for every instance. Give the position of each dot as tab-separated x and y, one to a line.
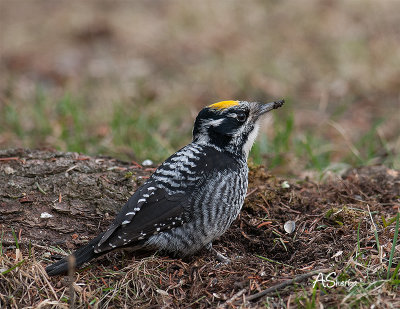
127	78
52	202
75	75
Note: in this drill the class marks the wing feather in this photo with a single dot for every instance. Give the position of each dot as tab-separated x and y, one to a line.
143	216
153	208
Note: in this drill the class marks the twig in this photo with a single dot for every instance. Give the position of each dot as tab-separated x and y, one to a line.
10	159
273	261
71	168
136	164
286	283
289	209
265	200
376	235
71	271
230	301
45	276
39	188
342	131
245	235
251	192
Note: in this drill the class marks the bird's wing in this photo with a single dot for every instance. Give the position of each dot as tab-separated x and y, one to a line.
152	210
149	211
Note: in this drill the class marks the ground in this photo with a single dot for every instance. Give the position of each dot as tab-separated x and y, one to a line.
345	227
126	79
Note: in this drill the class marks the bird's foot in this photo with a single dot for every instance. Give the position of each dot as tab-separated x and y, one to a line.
220	257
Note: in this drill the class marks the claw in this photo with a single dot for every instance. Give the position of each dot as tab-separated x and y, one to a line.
220	257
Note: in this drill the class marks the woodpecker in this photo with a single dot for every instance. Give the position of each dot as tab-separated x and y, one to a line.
194	196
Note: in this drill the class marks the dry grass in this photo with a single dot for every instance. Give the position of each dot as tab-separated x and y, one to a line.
128	78
346	231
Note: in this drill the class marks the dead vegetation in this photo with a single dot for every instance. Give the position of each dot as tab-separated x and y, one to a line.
126	78
344	225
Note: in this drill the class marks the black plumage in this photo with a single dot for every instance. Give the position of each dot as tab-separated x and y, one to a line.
194	196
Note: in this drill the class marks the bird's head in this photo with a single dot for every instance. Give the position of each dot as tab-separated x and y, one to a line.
231	125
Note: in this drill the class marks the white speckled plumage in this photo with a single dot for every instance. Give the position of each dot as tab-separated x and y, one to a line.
194	196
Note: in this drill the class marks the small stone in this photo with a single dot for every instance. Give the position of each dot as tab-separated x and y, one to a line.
45	215
337	254
147	162
285	185
162	292
289	227
9	170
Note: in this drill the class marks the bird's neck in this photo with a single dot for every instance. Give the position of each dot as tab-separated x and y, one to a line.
229	149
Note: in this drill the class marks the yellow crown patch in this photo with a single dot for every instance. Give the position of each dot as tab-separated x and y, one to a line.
223	104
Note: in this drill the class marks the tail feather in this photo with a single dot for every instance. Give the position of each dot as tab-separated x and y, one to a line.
82	255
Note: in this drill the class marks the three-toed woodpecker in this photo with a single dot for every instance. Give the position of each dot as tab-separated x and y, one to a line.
194	196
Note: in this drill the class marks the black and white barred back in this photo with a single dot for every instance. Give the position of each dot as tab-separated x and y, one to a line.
217	184
194	196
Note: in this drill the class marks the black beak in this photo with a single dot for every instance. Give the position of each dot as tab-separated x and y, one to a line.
266	107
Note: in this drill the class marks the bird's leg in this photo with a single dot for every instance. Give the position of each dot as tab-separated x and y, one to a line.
220	257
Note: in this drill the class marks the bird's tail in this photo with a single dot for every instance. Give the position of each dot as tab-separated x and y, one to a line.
82	255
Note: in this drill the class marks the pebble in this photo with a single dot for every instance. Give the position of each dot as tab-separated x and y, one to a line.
289	227
147	162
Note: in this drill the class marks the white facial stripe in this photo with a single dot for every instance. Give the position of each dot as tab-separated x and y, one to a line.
251	138
204	138
213	123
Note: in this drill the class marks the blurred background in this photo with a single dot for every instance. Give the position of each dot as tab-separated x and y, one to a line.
127	78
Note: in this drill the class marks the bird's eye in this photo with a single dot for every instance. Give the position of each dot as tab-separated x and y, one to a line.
241	117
